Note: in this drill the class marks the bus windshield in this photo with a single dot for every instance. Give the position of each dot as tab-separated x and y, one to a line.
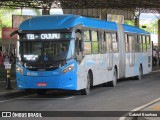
47	51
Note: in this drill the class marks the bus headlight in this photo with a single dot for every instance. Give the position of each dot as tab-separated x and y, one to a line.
18	69
68	68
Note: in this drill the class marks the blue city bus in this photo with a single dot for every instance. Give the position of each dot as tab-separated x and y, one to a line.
71	52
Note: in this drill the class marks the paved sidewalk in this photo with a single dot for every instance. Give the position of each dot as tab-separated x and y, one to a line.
4	91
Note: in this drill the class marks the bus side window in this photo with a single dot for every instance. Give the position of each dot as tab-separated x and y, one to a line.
144	44
148	42
137	44
95	45
131	43
78	36
127	43
140	43
102	42
114	42
109	42
87	42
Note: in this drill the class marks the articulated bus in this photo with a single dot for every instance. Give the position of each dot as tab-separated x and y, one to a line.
72	52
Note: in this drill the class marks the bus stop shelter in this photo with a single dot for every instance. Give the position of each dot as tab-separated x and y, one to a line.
130	9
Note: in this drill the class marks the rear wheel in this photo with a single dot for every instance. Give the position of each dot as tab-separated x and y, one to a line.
113	83
88	84
140	73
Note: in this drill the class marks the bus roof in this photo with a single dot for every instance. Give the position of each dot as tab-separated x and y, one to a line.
51	22
54	22
133	29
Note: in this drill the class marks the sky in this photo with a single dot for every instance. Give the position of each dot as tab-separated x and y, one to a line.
52	11
149	17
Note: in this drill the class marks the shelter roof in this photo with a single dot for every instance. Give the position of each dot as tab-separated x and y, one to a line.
145	5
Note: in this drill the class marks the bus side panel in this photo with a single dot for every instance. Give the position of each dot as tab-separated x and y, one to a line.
116	62
81	75
132	69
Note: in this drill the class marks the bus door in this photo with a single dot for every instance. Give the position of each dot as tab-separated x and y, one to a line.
131	50
109	51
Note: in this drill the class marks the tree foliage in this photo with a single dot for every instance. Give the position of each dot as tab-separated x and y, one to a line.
152	27
6	17
129	22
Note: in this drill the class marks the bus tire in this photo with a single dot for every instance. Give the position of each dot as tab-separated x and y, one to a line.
140	73
113	83
41	91
88	85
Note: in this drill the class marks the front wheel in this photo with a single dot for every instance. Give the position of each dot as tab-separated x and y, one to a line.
87	89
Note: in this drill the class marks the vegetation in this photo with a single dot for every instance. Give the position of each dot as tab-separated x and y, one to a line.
6	16
129	22
152	27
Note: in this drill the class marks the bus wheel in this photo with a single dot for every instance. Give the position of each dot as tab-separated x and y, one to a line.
41	92
87	89
140	73
114	81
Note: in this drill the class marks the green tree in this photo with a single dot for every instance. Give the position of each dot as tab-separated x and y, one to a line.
6	18
152	27
129	22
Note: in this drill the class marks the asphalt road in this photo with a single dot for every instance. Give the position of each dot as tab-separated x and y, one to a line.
126	96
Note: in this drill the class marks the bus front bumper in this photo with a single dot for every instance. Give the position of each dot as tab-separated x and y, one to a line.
66	81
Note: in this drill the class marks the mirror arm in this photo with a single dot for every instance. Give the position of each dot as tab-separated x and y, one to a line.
14	33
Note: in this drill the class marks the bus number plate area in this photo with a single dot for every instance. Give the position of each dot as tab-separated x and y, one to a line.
41	84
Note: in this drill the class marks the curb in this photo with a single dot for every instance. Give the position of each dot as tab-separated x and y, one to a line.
15	93
9	92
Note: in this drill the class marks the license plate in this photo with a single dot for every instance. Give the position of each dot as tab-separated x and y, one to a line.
41	84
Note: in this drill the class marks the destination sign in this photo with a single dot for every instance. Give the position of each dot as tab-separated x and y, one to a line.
47	36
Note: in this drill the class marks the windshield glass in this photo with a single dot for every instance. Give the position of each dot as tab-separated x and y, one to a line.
44	51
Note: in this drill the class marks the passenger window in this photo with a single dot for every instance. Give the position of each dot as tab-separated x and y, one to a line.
87	42
144	44
95	45
148	42
102	43
114	42
131	43
137	44
87	35
127	43
109	42
140	43
78	39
